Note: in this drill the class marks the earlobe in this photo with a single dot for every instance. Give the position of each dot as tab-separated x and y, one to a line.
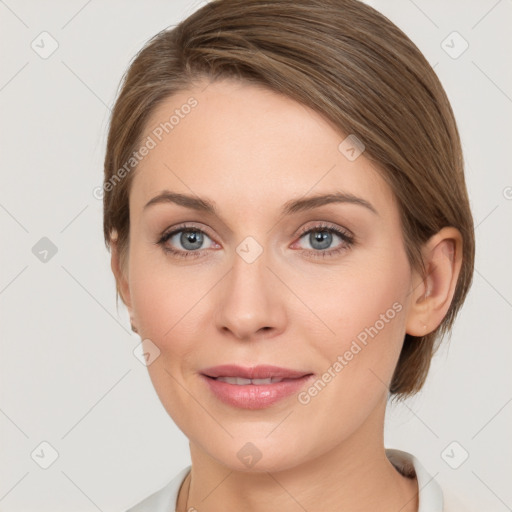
433	293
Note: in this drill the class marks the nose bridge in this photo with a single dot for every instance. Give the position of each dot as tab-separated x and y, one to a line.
249	271
250	300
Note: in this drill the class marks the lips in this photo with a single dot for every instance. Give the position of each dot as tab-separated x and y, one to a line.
240	375
257	387
240	381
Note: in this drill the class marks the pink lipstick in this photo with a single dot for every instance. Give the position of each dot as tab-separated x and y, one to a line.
256	387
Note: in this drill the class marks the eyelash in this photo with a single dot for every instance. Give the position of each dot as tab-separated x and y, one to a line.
346	237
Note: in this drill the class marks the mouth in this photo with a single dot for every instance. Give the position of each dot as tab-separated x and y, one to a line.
256	387
260	374
240	381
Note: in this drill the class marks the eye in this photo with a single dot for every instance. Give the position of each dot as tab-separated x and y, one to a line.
185	240
320	239
190	241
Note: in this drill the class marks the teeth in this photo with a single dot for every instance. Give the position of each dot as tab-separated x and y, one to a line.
239	381
235	380
262	381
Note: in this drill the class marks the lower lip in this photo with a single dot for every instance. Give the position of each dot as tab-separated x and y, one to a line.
255	396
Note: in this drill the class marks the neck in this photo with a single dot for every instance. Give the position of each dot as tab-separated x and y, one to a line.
354	475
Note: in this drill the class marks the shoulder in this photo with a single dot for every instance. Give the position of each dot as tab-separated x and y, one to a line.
163	500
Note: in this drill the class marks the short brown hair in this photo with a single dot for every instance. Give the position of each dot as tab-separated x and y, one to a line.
352	65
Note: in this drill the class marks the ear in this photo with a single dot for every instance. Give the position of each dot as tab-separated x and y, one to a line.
432	293
119	269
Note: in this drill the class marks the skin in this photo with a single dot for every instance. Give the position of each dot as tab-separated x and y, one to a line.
250	151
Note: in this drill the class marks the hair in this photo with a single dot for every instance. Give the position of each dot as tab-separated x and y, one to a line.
347	62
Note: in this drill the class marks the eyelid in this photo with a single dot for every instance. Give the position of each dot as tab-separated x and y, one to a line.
327	226
187	226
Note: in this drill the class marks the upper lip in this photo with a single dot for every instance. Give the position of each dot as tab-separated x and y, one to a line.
255	372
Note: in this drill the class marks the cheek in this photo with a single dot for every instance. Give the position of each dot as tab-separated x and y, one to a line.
165	306
152	300
367	310
166	300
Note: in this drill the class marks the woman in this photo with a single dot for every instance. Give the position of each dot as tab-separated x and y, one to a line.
290	231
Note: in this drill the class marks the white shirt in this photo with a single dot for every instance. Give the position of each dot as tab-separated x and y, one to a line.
430	494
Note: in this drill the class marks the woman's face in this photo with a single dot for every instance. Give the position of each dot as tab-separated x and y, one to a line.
267	277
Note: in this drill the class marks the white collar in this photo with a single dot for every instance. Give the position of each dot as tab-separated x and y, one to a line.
430	496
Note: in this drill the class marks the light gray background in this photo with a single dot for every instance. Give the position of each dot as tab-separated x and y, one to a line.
68	373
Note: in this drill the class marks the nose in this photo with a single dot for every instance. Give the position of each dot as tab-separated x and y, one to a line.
250	303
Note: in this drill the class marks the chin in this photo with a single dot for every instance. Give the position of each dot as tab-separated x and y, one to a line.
253	454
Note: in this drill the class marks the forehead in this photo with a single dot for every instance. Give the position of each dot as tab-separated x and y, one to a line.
241	143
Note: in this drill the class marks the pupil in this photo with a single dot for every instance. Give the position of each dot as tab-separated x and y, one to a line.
188	239
322	239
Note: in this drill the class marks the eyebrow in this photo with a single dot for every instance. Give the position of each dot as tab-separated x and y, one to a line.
289	208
